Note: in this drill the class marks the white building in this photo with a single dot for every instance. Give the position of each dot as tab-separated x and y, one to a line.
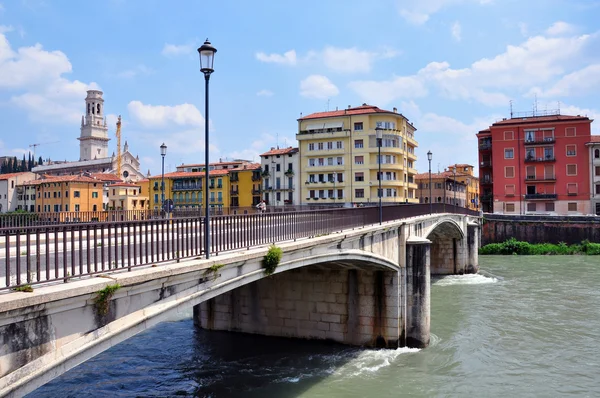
9	194
594	146
281	173
93	147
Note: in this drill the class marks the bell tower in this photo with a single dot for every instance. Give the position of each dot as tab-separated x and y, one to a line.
93	141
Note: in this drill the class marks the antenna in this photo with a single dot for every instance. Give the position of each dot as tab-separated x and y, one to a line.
511	108
535	105
40	143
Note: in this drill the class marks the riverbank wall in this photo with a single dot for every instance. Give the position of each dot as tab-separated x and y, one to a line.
498	228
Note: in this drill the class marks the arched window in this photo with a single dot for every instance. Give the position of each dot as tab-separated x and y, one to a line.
439	199
597	153
88	108
93	108
426	199
98	109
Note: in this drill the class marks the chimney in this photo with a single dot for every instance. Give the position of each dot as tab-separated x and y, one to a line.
349	106
395	110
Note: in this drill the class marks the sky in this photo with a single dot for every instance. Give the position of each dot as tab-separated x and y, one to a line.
452	67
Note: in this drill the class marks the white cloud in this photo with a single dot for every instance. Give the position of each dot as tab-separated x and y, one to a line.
35	76
591	113
140	70
162	116
580	82
172	50
383	92
456	31
560	28
418	12
288	58
318	86
264	93
5	28
347	60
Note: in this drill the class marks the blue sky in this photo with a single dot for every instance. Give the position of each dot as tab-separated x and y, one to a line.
450	66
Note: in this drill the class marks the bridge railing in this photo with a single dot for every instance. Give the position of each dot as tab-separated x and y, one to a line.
49	253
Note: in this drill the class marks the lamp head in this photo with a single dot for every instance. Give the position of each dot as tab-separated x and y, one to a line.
207	57
163	150
429	155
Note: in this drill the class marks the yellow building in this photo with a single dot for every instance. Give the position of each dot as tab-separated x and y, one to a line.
245	185
465	174
67	193
339	156
126	196
185	189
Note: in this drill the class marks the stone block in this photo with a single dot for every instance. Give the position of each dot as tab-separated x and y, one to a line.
329	297
323	326
331	318
322	308
288	331
336	287
365	320
314	316
302	315
290	323
341	298
334	308
335	336
338	327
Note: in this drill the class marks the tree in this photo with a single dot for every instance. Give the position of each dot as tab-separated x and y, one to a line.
23	164
40	161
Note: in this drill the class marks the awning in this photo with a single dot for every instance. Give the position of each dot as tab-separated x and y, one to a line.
322	126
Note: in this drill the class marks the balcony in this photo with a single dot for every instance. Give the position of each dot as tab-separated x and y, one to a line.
256	177
486	163
187	187
539	179
487	180
531	159
487	197
541	141
541	196
266	173
485	147
234	192
256	191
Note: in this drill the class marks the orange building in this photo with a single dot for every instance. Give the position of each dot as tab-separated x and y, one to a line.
67	193
536	165
126	196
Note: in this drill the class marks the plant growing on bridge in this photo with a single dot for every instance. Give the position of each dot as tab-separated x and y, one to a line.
213	269
272	259
24	289
103	298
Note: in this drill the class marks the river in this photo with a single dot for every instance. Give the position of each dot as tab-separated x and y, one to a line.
523	327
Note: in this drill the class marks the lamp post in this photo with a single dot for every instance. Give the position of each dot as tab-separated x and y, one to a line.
379	136
163	153
207	58
429	156
454	186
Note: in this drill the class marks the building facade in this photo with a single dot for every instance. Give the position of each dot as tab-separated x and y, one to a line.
466	175
67	194
10	194
594	148
445	189
126	196
536	165
340	162
280	172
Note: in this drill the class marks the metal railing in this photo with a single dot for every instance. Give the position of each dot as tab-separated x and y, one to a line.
50	253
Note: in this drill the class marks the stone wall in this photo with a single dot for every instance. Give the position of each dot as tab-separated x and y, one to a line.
538	229
348	306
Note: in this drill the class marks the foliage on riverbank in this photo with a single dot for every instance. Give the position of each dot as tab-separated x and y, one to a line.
513	246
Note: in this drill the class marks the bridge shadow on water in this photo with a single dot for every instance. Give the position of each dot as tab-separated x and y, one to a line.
177	359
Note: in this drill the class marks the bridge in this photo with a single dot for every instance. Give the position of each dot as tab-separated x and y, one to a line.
341	277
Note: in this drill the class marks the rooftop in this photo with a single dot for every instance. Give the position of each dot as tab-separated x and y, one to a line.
124	184
12	175
364	109
278	151
540	119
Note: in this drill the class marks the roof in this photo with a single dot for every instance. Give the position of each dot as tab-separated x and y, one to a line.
595	138
182	174
461	165
68	165
278	151
105	176
68	178
364	109
443	174
541	119
249	166
12	175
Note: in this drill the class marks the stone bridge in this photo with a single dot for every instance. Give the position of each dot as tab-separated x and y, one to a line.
368	286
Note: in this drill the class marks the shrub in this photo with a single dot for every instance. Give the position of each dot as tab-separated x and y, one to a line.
271	259
513	246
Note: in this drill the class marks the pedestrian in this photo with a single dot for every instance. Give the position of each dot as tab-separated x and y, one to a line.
263	206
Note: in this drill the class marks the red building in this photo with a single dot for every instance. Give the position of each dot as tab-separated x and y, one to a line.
536	165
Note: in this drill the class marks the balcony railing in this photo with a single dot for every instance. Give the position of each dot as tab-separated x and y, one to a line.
540	141
485	147
187	187
541	178
531	159
256	177
538	196
256	192
234	192
486	163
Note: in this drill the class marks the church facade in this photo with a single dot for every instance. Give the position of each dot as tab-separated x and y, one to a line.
93	147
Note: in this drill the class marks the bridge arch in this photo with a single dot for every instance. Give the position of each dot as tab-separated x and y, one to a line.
448	247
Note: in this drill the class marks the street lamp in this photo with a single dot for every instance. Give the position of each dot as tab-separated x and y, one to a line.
429	156
454	171
163	153
379	136
207	58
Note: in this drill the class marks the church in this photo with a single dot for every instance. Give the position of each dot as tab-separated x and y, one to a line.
93	148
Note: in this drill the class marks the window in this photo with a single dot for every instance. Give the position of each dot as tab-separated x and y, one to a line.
550	206
530	154
571	150
76	207
358	126
95	194
330	145
359	160
66	207
340	193
359	177
340	160
596	172
95	208
597	189
570	132
311	162
530	173
339	145
155	198
277	168
510	207
509	172
320	146
321	161
311	146
359	193
571	169
358	144
572	206
597	154
76	194
572	189
509	190
329	161
531	206
340	177
549	172
529	136
509	135
509	153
